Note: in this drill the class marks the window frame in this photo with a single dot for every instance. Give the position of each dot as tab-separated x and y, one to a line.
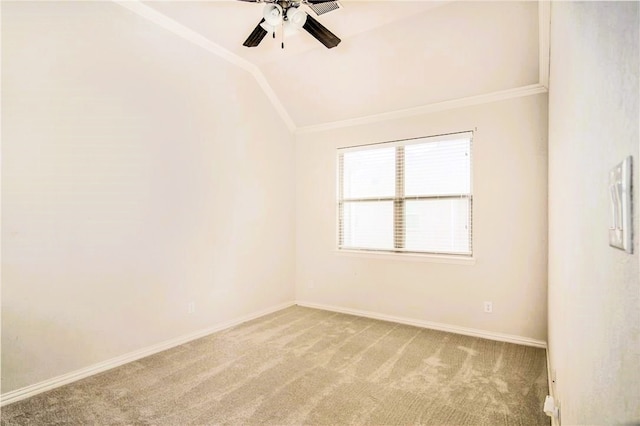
399	199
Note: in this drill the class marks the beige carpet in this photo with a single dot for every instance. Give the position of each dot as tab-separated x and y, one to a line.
306	366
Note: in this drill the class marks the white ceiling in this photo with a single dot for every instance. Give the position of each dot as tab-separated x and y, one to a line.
394	55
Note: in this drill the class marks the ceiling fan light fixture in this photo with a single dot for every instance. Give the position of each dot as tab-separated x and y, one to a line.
288	14
296	17
273	14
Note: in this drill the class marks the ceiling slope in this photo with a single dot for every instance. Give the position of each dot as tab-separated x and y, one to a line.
396	57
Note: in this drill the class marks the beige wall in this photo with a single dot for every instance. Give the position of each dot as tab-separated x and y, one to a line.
510	226
139	173
594	291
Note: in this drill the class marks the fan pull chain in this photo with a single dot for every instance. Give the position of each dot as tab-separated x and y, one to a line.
282	35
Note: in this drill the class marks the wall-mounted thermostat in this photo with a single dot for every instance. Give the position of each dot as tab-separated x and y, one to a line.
620	230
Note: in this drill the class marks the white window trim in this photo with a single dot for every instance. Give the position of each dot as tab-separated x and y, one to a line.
450	258
408	256
405	142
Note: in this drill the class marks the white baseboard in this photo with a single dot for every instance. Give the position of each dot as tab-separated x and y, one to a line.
555	421
29	391
519	340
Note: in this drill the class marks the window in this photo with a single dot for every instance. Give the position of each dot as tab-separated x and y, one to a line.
410	196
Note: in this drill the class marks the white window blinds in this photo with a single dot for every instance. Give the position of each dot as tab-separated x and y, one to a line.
407	196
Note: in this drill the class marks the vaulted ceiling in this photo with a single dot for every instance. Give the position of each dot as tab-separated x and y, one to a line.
395	56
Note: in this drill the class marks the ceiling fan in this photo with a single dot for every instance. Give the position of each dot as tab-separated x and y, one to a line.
289	15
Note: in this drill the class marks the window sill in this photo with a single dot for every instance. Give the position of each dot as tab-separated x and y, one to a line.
411	257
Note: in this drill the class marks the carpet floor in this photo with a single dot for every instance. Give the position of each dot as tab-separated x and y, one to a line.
307	366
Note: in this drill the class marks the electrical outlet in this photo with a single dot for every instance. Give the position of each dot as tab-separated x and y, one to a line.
488	307
191	307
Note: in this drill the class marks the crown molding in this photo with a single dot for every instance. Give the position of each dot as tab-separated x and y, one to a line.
533	89
544	31
188	34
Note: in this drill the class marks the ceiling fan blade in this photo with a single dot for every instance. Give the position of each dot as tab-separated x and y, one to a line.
256	36
252	1
314	1
323	35
324	7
